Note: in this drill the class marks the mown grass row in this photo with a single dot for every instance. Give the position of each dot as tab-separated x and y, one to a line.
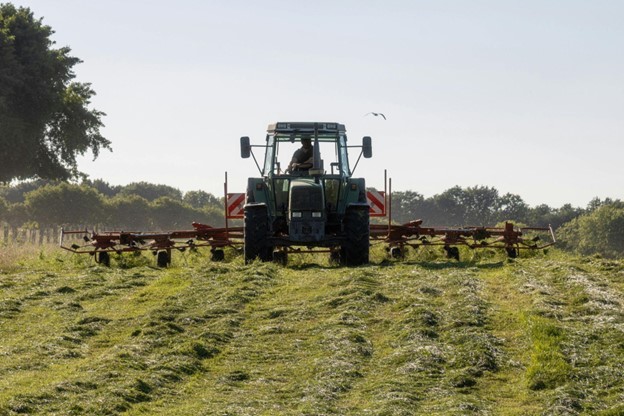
536	335
106	340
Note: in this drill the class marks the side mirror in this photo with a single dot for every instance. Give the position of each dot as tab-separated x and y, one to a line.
367	147
245	147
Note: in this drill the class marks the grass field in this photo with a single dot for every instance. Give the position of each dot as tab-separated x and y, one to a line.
542	334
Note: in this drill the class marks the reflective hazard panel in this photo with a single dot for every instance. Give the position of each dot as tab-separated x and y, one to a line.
377	202
235	204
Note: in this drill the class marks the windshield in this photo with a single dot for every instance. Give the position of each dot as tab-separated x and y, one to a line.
281	151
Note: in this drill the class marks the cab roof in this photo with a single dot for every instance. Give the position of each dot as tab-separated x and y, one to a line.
298	128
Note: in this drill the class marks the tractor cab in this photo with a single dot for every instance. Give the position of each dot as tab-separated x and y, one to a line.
329	148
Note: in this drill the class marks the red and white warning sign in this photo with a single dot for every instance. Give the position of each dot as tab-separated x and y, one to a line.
235	204
377	202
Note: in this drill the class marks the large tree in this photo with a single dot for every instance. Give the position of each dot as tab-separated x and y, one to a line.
45	119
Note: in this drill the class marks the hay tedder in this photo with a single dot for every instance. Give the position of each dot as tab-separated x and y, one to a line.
305	207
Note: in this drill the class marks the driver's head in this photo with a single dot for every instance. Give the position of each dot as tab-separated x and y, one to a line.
306	143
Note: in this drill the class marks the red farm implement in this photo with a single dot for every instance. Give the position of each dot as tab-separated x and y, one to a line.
101	245
161	244
412	234
509	238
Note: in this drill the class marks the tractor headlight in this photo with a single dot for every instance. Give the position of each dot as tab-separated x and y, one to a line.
296	214
317	214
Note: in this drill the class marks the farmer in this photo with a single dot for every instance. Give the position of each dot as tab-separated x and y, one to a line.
302	159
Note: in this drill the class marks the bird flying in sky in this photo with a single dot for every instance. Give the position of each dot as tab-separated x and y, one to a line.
376	114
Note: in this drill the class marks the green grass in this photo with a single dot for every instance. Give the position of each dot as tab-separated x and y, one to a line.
535	335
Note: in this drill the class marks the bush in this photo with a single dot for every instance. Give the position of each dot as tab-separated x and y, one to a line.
599	232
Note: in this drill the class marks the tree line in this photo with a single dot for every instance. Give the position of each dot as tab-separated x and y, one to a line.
35	210
481	205
31	211
595	229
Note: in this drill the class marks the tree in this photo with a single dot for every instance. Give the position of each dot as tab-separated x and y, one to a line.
171	214
600	231
513	208
565	214
102	187
15	193
449	209
200	199
128	213
151	191
481	204
407	206
540	215
64	204
597	203
45	122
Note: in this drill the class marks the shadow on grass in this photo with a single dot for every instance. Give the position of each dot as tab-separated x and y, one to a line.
427	264
456	265
311	266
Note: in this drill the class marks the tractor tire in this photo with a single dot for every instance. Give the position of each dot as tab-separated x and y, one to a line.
355	251
256	230
103	258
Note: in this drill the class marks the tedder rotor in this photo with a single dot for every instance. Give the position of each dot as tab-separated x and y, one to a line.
305	207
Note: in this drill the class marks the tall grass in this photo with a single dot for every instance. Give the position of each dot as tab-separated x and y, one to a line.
16	255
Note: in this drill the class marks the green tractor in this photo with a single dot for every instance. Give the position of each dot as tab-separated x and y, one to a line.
298	205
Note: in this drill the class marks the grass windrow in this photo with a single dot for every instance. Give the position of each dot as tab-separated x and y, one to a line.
534	335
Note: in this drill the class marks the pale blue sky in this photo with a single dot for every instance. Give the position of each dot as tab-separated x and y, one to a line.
525	96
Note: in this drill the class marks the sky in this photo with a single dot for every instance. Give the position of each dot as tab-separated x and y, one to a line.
524	96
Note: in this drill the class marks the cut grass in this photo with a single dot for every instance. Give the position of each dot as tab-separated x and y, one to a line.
548	367
536	335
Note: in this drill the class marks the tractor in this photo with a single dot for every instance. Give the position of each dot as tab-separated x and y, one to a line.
308	207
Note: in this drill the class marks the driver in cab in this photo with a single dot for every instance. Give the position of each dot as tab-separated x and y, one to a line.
303	157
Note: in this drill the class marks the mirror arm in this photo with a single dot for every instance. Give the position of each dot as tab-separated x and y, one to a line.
357	161
255	160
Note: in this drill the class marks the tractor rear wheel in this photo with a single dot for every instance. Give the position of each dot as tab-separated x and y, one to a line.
355	251
255	233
